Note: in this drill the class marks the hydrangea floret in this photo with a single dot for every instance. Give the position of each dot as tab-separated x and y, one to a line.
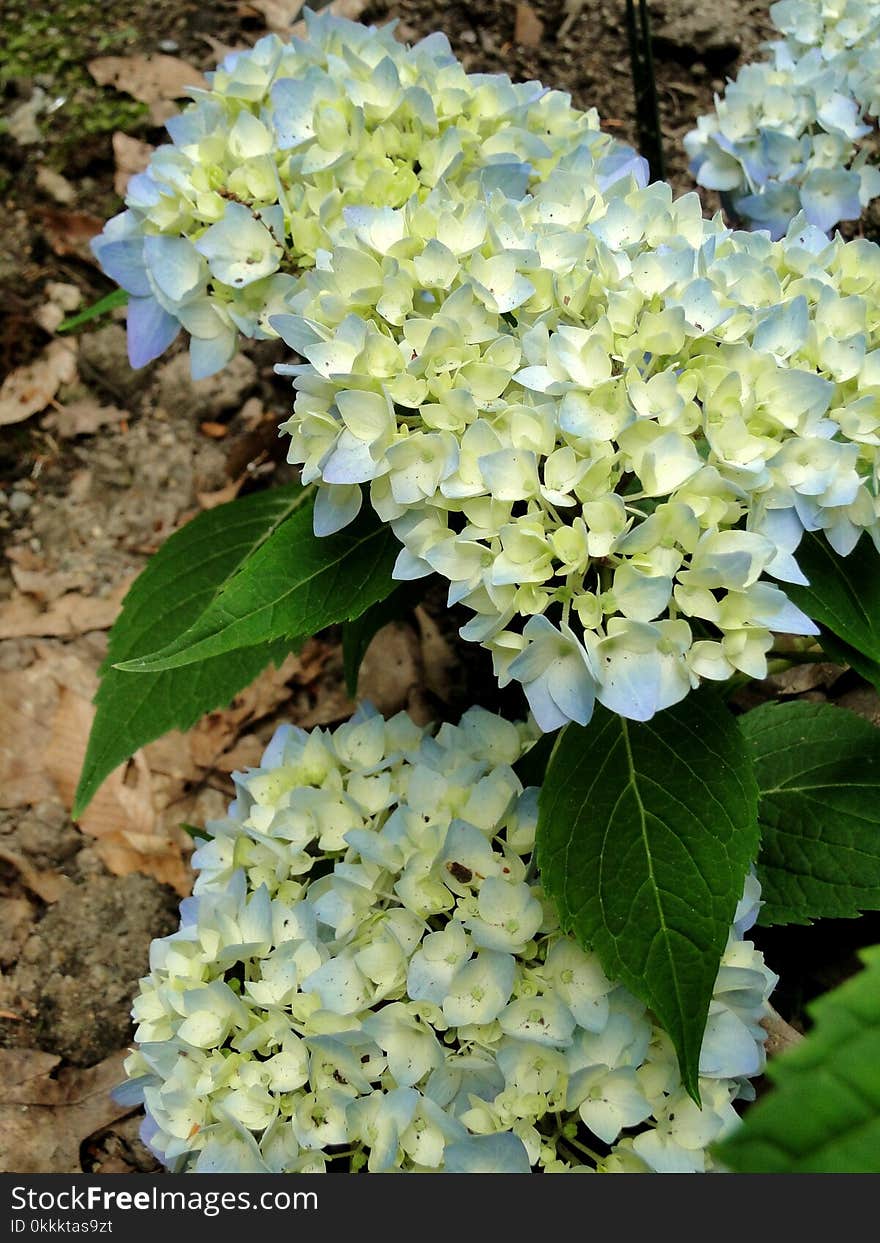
261	166
845	32
785	136
606	421
369	976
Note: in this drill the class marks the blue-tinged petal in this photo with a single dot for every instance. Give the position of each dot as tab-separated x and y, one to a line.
622	162
829	195
208	355
294	109
841	114
296	332
150	331
544	709
408	567
119	249
842	537
174	265
512	179
239	249
350	461
773	209
123	262
142	192
718	171
783	329
503	1153
335	507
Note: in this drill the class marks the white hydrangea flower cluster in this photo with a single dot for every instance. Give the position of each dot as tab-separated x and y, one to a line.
369	973
785	136
605	421
845	32
261	166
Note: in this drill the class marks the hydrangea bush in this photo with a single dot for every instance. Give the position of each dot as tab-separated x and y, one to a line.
606	470
370	972
784	138
634	444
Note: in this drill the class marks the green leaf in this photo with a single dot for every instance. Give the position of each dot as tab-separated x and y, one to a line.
645	834
824	1115
818	771
844	592
177	585
359	633
294	584
118	297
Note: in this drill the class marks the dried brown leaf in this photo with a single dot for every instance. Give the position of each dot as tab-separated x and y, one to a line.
170	756
83	418
801	678
210	500
22	1066
246	753
21	123
217	731
155	80
55	185
528	28
27	390
46	585
27	700
69	232
72	614
780	1035
279	15
66	665
43	1120
331	705
391	667
17	915
131	156
121	816
220	50
47	885
438	658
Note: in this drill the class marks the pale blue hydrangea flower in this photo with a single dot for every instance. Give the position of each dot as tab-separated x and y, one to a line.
785	136
261	166
610	474
289	1020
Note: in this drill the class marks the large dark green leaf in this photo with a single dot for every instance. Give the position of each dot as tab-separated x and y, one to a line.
824	1115
844	593
645	835
177	585
293	584
818	771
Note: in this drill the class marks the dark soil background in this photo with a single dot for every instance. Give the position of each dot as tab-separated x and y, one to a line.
114	460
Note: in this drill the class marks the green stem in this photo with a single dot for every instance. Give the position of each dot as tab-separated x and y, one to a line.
588	1152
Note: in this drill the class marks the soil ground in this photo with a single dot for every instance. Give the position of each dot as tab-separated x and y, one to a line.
94	484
